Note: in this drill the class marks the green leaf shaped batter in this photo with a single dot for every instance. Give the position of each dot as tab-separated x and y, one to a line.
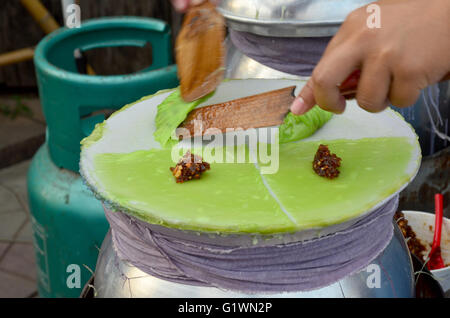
171	113
296	127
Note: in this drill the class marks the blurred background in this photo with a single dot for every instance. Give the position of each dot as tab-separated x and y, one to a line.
22	123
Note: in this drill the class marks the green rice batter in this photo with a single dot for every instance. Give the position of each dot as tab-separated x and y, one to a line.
236	197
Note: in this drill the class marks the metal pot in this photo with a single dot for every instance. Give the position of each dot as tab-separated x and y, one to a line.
115	277
288	18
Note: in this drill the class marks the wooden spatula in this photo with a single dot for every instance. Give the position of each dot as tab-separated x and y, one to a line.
262	110
200	51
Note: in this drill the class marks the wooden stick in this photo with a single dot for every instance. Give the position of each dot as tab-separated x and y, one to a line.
16	56
261	110
41	15
200	52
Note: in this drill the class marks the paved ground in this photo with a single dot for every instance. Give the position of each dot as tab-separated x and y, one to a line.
22	129
17	264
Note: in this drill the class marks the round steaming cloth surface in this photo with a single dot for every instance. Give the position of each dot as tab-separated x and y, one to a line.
129	170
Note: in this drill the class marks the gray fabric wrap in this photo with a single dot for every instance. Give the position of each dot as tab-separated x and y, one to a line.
293	55
296	266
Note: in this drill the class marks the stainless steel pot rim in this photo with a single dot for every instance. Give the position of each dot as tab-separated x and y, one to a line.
288	18
286	28
297	23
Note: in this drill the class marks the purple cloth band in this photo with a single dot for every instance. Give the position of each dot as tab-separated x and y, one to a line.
295	55
297	266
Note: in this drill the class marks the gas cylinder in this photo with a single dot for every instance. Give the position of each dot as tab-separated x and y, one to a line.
68	221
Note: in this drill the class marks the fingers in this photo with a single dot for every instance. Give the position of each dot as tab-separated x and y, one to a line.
196	2
322	88
404	91
331	71
305	100
373	86
183	5
393	67
180	5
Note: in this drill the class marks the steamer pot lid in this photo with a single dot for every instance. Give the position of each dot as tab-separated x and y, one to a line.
288	18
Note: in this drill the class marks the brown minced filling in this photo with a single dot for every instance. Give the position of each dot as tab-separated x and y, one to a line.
414	244
189	167
325	163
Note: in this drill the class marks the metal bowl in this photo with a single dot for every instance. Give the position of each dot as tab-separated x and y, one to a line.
115	277
288	18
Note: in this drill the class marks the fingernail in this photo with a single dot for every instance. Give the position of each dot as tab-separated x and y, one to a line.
342	104
298	107
196	2
179	5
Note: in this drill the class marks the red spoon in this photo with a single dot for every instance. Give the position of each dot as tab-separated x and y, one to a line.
435	260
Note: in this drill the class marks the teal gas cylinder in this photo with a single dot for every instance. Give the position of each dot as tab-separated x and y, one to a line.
68	221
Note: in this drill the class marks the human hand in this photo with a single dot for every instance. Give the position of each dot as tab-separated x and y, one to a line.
409	52
183	5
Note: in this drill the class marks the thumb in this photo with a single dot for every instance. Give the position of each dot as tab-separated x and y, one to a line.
180	5
305	100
